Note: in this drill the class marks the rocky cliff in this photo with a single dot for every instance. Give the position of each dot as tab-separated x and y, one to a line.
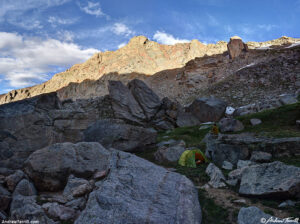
161	66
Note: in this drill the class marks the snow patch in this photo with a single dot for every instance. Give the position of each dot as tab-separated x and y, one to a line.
246	66
294	44
265	47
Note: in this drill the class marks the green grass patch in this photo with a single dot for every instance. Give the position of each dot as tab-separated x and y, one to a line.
197	175
191	135
269	211
279	122
211	212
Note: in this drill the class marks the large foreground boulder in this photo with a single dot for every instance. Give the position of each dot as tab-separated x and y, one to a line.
137	191
207	109
275	180
117	134
50	167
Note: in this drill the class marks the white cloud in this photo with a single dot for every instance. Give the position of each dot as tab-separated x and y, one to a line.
121	45
165	38
8	6
92	8
267	27
54	21
25	23
27	61
122	29
65	35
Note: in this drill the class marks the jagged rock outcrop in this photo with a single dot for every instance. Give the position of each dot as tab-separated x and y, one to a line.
159	65
236	47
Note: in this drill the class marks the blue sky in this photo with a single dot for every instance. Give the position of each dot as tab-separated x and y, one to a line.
39	38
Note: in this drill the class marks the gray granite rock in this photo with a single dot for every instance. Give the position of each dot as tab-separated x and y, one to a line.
170	153
76	187
276	180
25	188
227	165
253	215
5	198
230	125
207	109
26	208
116	134
13	179
255	121
260	157
217	179
146	98
219	152
49	168
137	191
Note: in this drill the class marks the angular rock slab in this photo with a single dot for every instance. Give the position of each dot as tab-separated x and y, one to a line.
117	134
276	180
124	104
137	191
50	167
217	179
147	99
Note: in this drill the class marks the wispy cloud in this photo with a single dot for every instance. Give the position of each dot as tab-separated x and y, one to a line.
54	21
267	27
122	29
65	35
8	6
91	8
165	38
212	20
26	61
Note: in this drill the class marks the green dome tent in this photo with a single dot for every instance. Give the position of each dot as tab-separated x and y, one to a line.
188	158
